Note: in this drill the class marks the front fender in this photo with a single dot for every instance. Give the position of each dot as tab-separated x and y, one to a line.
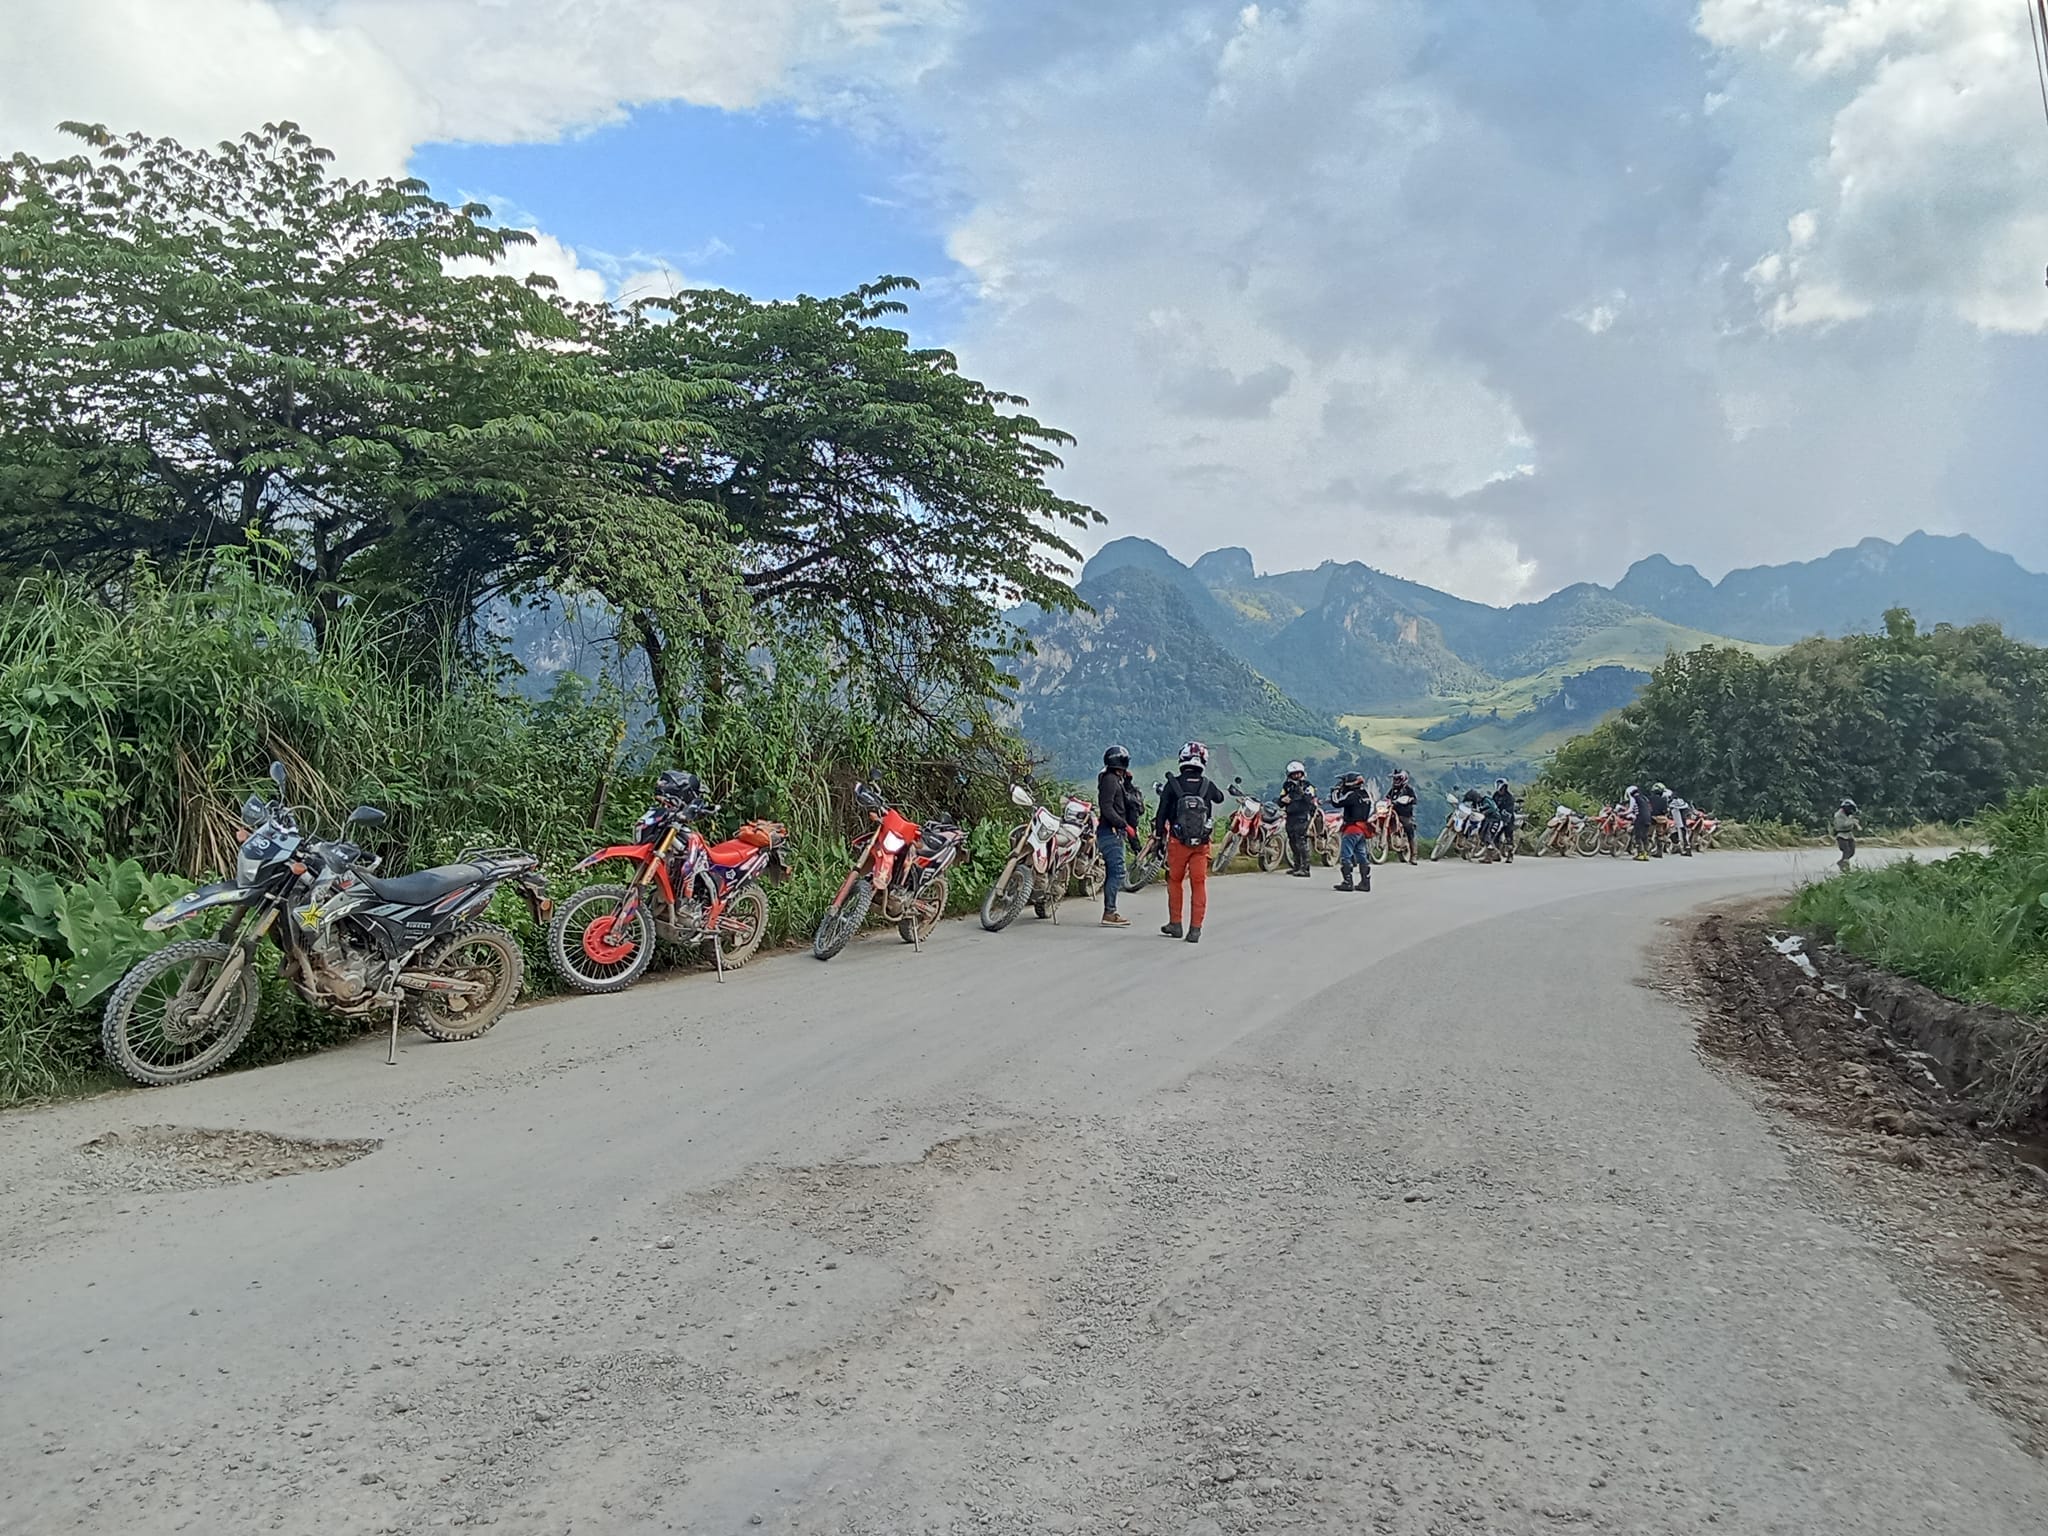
194	902
638	853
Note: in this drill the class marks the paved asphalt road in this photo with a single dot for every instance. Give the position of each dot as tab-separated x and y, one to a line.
1404	1213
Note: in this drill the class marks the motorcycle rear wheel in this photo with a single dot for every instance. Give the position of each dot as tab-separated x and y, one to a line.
743	926
928	909
1091	872
144	1026
1005	899
570	940
474	952
843	919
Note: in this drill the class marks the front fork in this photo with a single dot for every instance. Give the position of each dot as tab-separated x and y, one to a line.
232	968
629	909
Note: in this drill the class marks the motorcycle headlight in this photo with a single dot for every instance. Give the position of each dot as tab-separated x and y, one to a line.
891	843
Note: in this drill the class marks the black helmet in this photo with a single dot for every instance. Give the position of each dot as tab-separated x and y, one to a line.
680	784
1400	775
1117	757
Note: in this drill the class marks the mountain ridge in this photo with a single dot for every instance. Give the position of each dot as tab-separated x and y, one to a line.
1307	661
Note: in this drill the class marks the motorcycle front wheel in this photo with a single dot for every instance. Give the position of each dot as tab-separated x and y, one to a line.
843	919
1144	870
1223	855
1380	848
1270	855
1005	899
149	1032
1446	842
480	952
588	952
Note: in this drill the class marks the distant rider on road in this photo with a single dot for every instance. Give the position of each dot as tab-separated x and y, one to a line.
1299	800
1403	799
1185	822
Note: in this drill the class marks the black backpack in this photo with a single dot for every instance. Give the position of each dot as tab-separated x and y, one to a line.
1193	816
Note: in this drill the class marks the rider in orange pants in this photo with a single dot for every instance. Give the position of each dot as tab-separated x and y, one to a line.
1191	865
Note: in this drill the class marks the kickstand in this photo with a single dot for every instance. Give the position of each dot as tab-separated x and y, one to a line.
718	955
392	1059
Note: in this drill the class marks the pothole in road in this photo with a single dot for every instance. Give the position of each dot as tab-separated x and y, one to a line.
151	1159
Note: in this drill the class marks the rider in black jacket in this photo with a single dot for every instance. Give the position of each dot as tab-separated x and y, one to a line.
1113	829
1404	800
1299	800
1501	824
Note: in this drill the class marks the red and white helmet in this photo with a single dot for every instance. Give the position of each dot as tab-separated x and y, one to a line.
1194	755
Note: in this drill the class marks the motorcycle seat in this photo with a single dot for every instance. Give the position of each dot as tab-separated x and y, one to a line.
426	885
732	853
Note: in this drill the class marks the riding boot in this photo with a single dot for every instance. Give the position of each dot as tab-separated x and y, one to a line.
1345	884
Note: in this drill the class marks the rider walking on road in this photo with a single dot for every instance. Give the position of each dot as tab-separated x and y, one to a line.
1298	799
1643	822
1113	829
1847	824
1186	818
1353	801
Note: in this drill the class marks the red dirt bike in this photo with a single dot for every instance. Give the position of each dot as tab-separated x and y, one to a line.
900	864
1701	829
1560	835
1608	833
1251	833
682	889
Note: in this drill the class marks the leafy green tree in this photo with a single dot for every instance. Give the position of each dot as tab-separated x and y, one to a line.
879	497
201	346
1913	726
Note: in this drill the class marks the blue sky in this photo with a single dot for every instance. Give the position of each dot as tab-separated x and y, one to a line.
1494	297
769	202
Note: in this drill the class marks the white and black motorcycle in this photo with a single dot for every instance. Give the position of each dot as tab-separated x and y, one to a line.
1559	835
348	941
1464	833
1042	854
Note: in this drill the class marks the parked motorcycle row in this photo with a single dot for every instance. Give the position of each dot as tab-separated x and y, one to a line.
413	948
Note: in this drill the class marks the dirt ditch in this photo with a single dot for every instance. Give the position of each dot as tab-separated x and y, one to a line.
1907	1133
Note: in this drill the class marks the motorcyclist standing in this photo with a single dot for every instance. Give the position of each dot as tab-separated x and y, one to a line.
1681	824
1113	829
1300	803
1402	797
1185	819
1352	799
1660	809
1501	825
1642	822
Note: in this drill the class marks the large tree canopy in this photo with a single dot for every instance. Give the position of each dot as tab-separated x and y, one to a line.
198	347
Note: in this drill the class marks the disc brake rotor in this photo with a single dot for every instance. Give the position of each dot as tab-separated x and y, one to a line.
601	947
182	1025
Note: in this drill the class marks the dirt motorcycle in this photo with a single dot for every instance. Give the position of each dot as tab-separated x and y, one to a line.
1088	872
1253	832
682	889
348	941
1559	835
1464	831
1702	829
1042	854
899	865
1608	833
1150	861
1388	840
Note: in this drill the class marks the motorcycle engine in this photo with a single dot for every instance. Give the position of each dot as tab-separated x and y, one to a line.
342	961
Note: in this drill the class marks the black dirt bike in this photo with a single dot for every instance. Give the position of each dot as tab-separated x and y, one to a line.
348	941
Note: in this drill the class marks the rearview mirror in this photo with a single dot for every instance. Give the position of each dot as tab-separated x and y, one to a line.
277	776
1019	795
368	815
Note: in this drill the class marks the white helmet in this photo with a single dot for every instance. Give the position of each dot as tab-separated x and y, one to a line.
1296	768
1194	754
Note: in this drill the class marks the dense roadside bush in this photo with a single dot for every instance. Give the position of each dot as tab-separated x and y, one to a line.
133	725
1914	727
1973	926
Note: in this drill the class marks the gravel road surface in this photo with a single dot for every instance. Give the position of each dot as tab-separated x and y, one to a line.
1408	1213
